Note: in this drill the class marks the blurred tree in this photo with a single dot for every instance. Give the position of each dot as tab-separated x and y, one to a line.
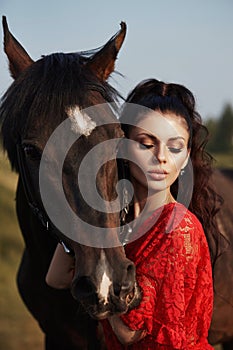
221	132
212	125
224	132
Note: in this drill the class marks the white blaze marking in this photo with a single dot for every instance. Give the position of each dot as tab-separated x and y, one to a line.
105	282
104	287
81	123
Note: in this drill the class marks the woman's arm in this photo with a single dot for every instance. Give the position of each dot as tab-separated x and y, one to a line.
124	334
61	269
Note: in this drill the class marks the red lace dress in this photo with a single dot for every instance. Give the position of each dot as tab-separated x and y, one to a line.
174	272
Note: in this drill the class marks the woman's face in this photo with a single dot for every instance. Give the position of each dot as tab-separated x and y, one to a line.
160	151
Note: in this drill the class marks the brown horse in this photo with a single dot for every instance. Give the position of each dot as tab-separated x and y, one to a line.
56	89
221	330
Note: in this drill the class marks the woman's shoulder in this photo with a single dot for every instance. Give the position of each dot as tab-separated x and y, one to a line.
184	228
186	232
180	216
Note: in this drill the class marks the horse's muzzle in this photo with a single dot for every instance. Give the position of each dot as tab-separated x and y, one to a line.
115	302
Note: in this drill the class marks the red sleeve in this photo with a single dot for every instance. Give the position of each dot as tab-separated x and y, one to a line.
140	318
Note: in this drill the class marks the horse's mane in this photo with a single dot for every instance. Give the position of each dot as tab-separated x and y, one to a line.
45	89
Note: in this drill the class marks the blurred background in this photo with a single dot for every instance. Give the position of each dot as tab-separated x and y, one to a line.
187	42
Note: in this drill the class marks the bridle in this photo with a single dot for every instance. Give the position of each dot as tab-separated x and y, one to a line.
26	181
25	177
40	213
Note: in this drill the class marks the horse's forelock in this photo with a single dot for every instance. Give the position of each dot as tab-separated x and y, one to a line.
46	89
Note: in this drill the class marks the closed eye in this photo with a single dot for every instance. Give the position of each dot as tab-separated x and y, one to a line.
147	146
175	150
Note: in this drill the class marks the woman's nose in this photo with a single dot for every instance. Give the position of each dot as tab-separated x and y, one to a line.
160	153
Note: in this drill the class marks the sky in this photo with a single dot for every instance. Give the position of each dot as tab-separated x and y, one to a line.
181	41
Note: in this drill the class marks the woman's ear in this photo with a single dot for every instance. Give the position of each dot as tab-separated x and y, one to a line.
186	159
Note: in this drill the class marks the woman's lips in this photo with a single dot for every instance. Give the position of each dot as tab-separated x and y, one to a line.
157	175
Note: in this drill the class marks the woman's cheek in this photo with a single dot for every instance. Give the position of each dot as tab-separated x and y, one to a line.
178	161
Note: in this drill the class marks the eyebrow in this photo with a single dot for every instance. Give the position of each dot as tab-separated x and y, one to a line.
154	137
176	138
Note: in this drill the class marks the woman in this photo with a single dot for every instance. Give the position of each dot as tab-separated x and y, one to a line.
166	241
172	256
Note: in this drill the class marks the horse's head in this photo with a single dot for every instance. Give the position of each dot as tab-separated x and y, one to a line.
50	125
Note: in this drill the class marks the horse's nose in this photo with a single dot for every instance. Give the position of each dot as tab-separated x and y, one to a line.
83	288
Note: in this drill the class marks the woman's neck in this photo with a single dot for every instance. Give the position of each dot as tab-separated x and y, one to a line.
148	204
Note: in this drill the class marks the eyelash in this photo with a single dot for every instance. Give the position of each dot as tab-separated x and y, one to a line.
175	150
143	146
171	149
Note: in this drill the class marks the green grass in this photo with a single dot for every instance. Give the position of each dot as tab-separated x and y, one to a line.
18	330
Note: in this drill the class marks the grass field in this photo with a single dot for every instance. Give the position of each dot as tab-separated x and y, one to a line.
18	330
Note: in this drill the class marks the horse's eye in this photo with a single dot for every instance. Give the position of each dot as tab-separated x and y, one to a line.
32	152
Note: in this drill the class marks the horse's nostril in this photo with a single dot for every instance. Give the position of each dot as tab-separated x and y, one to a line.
131	268
83	288
125	285
117	289
130	273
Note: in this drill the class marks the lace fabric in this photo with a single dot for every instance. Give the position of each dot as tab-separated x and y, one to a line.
174	272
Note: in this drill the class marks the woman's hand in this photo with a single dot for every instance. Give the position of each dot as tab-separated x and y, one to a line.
61	269
124	334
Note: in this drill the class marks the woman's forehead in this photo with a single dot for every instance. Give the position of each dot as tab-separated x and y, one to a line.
162	125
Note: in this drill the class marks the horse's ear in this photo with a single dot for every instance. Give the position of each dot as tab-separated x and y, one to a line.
103	62
18	58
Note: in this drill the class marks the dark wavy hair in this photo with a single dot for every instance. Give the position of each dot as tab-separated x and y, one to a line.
203	201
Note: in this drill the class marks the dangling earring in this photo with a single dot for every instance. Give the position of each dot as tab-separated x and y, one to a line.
125	204
125	198
127	230
182	172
